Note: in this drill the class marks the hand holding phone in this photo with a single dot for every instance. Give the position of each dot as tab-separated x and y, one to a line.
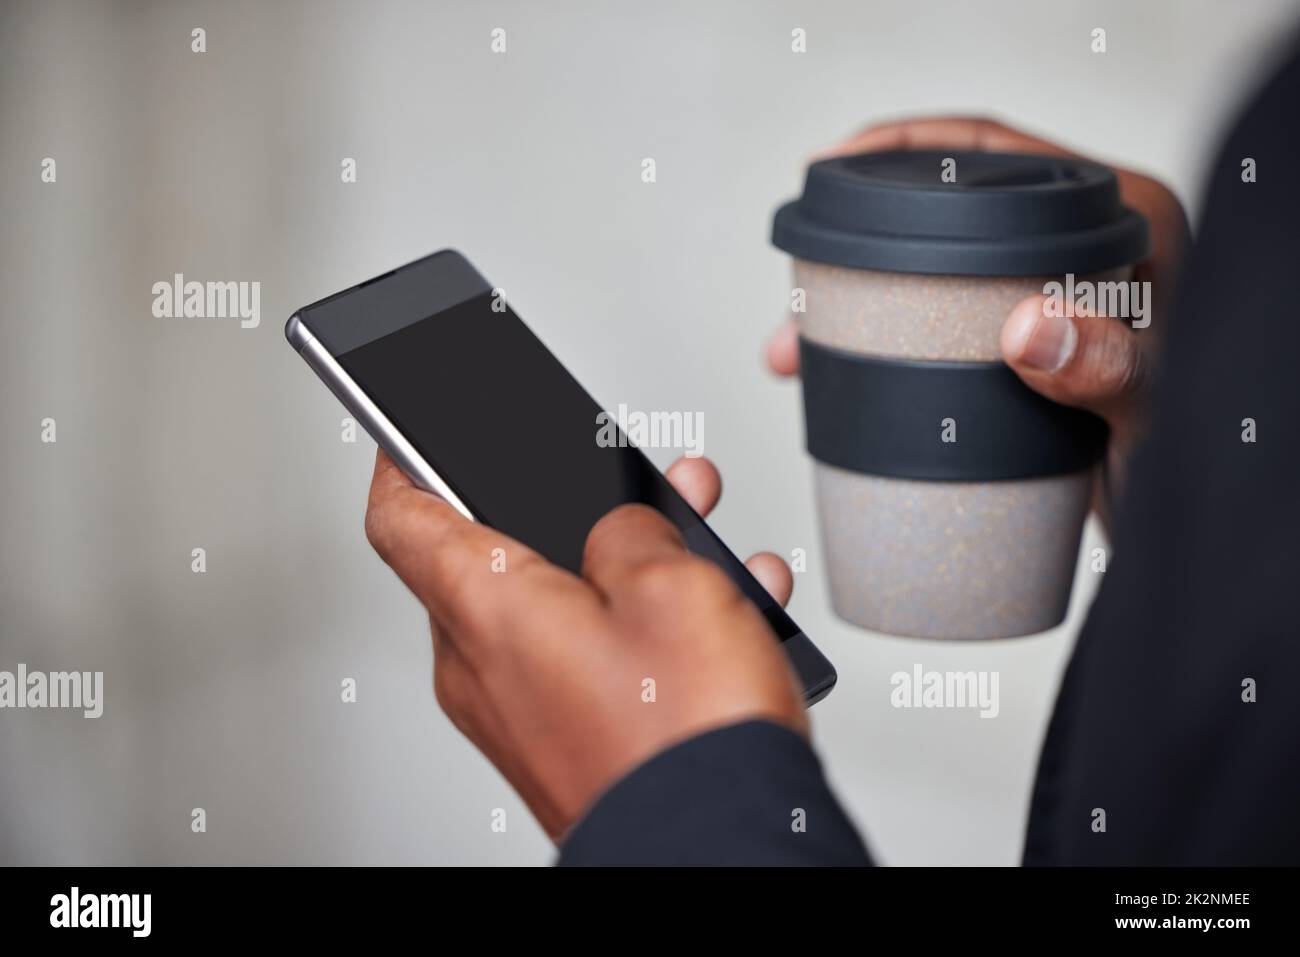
566	683
584	614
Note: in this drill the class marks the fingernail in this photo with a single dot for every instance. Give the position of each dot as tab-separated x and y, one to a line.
1048	341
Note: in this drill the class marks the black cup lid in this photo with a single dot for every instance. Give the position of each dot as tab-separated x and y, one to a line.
1005	215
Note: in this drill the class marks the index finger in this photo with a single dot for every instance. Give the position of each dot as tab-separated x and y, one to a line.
955	132
472	578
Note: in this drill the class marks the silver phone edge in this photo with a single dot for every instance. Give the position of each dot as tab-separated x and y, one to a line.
372	419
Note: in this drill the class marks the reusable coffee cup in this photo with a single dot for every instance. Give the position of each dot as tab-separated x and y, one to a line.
951	497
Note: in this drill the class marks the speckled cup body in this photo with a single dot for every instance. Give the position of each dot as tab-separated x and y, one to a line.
938	559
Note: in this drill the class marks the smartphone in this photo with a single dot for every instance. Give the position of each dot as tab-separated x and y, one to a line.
448	380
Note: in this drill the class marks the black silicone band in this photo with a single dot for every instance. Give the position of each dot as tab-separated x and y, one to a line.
886	417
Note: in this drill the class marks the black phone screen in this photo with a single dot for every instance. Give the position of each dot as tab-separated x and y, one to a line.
507	427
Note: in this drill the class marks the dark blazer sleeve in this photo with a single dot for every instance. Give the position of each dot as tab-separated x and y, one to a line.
747	794
1176	735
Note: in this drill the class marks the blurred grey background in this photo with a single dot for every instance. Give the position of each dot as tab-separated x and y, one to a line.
222	689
